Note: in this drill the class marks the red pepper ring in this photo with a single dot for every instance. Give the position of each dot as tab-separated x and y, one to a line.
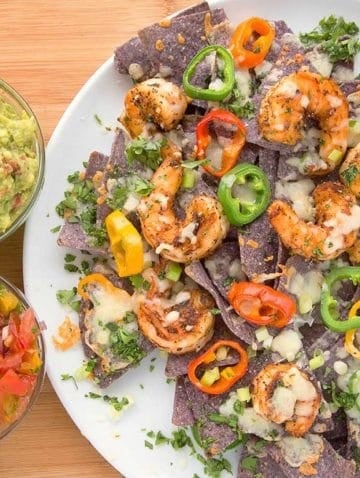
244	57
222	384
260	304
231	152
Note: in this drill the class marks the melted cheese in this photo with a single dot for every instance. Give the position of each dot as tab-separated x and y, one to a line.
342	225
299	193
287	344
283	401
188	233
302	388
321	62
297	451
288	89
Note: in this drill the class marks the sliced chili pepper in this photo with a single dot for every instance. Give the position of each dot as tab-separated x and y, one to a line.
260	304
92	279
231	152
243	34
349	344
241	211
228	74
228	376
125	243
328	306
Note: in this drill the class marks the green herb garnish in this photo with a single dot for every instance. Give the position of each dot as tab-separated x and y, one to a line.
336	37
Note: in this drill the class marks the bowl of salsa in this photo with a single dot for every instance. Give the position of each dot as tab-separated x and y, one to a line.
22	357
22	159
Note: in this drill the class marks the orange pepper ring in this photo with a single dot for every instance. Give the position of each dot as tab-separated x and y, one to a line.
230	153
91	278
245	57
223	384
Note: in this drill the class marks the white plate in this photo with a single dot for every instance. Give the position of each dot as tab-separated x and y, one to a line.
121	442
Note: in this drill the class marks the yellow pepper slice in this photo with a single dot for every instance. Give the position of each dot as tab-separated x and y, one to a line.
350	347
8	302
125	244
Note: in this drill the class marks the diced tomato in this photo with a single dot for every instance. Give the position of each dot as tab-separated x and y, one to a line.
12	383
11	361
26	329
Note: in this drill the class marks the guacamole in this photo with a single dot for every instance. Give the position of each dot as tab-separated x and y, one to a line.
19	164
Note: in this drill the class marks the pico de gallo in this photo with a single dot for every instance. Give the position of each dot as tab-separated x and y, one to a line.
20	358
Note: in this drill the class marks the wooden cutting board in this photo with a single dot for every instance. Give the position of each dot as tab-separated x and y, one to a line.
48	49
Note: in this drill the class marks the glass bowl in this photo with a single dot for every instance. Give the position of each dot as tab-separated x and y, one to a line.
5	430
9	98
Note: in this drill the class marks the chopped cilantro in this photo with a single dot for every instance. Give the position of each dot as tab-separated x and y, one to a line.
228	281
92	395
170	380
124	344
145	151
151	368
65	377
213	467
148	444
119	195
71	268
90	365
336	37
98	119
160	439
194	164
68	297
249	463
85	268
350	174
69	258
55	229
141	186
215	311
117	404
138	282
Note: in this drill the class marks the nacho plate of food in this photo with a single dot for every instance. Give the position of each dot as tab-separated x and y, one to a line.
198	238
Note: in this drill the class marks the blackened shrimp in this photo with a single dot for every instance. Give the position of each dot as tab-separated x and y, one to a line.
179	240
285	395
337	219
177	323
350	170
283	109
153	101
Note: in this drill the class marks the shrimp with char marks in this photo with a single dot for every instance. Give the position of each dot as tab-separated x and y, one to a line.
350	170
283	109
337	219
179	240
285	395
153	101
177	323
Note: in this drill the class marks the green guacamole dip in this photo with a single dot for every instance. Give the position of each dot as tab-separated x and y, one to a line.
18	162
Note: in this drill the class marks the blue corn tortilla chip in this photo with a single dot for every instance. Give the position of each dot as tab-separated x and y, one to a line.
132	57
236	324
104	379
182	413
218	266
73	236
172	44
330	464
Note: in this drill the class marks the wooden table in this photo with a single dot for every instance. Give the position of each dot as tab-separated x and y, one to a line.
48	48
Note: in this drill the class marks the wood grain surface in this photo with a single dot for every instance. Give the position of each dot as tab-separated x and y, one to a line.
48	49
